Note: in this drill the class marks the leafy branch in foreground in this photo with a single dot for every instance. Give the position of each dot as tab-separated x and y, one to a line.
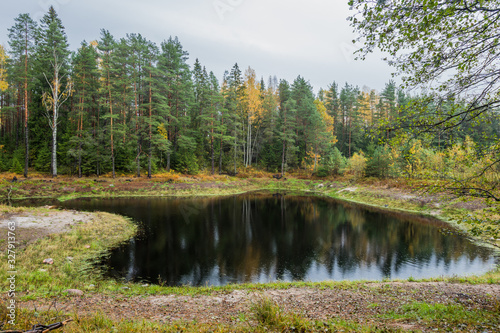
450	49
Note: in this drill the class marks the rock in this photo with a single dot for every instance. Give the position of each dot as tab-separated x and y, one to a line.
74	292
320	185
48	261
145	285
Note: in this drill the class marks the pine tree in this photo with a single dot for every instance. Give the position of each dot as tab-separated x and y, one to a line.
22	39
388	104
332	104
85	111
286	129
152	121
177	95
122	93
107	48
349	105
233	104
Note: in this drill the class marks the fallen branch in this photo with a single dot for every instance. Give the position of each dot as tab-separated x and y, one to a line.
41	328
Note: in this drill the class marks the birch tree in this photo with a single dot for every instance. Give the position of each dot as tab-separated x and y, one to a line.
53	63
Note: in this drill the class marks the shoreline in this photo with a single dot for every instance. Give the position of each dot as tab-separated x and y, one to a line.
40	287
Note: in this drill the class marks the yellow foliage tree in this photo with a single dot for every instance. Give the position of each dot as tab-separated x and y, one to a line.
3	71
356	165
254	111
327	119
364	108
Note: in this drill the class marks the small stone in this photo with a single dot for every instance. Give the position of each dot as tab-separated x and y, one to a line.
320	185
74	292
145	285
48	261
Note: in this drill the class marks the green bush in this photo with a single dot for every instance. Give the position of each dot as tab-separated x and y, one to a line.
186	163
322	172
2	166
378	164
334	162
43	162
16	167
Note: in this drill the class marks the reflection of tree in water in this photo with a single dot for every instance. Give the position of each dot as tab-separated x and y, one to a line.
242	238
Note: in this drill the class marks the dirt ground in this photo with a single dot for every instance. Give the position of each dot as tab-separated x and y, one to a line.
30	226
363	305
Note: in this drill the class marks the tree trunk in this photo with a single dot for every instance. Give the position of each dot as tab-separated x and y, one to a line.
315	158
54	150
213	153
26	132
27	148
220	149
284	145
235	141
80	160
149	159
150	148
111	130
137	130
138	158
55	94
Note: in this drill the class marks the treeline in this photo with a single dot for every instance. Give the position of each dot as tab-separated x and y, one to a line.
128	105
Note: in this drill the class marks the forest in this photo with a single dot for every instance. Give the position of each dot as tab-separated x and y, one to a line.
129	106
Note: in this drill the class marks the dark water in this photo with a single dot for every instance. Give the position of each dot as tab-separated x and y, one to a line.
262	238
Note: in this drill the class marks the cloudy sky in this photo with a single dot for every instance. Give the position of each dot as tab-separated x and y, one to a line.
285	38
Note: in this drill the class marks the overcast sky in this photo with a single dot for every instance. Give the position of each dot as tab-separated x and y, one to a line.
285	38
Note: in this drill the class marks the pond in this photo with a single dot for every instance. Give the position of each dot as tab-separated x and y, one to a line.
261	237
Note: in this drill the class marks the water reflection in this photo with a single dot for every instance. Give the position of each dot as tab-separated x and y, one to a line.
261	238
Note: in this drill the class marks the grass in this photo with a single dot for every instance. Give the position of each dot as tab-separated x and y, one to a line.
74	254
268	314
448	316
